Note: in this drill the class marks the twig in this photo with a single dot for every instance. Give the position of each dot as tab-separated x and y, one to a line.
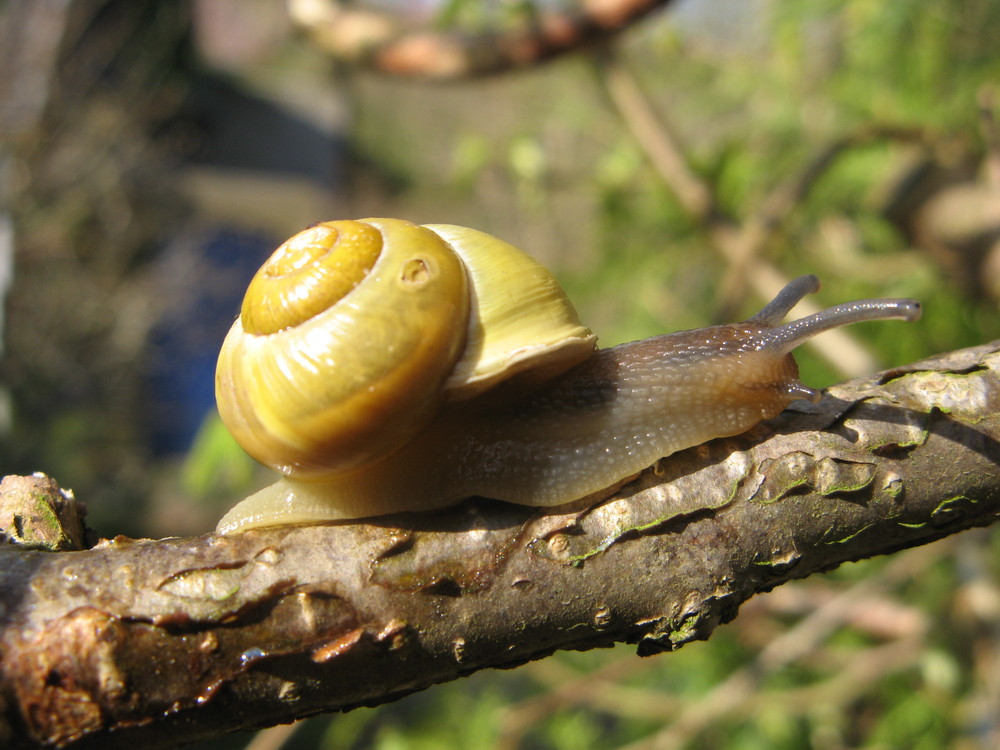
740	244
743	685
655	137
273	738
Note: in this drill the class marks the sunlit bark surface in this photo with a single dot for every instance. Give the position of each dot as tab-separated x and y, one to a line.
163	641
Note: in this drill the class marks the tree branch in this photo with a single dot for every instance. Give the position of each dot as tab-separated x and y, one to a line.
385	43
140	641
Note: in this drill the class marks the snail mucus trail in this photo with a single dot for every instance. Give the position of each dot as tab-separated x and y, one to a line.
471	408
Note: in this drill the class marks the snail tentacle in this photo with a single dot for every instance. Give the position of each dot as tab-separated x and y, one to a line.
790	295
788	336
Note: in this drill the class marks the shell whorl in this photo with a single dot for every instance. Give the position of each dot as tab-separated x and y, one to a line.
311	271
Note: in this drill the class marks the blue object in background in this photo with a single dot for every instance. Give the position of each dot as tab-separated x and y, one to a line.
202	278
269	168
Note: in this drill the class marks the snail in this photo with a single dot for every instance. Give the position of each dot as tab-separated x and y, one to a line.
381	366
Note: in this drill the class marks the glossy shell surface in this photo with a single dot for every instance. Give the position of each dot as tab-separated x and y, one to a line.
354	332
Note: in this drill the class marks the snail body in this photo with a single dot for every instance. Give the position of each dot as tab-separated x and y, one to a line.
540	421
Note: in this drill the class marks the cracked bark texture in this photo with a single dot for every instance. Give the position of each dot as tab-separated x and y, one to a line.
173	640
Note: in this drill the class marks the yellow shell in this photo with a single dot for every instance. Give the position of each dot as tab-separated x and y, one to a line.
353	334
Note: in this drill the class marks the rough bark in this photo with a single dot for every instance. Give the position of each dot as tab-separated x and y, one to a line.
166	641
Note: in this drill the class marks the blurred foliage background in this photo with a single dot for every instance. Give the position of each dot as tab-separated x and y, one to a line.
154	152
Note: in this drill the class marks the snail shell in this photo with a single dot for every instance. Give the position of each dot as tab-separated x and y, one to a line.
382	366
353	333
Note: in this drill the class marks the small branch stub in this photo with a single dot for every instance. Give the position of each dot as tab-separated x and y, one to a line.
35	513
